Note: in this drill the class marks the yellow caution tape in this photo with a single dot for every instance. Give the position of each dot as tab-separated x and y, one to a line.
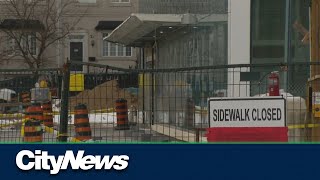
62	135
11	115
201	112
111	110
53	131
74	140
10	124
49	129
303	126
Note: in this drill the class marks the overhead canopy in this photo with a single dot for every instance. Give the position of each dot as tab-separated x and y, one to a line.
107	25
139	29
21	24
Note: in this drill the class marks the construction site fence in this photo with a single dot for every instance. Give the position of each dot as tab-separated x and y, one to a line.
103	104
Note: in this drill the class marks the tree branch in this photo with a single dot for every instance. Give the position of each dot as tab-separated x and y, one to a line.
33	11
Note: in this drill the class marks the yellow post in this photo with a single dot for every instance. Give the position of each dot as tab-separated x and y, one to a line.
22	127
43	84
315	69
77	82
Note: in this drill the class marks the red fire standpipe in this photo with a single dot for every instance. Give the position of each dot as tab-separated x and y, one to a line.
274	84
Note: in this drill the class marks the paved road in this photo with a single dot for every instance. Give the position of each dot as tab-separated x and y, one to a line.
100	133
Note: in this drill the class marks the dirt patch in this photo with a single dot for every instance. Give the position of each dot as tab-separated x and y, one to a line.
103	96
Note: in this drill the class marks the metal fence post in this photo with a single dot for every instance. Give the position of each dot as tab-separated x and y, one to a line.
153	88
63	129
288	40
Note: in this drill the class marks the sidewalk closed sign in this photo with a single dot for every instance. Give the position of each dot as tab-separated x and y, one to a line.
247	112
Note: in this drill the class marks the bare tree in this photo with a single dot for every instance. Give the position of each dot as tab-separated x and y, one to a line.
30	27
3	50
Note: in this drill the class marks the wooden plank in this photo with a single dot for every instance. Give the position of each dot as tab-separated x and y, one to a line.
175	132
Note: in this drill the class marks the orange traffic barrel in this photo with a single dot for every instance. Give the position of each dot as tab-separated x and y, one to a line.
32	131
34	112
81	123
122	114
25	98
47	114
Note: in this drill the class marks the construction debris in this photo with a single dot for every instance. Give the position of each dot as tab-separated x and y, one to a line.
103	96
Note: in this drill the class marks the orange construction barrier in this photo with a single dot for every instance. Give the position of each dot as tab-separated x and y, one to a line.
81	123
25	98
122	114
32	131
47	116
34	112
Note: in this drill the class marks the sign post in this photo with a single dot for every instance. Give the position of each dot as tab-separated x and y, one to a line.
247	120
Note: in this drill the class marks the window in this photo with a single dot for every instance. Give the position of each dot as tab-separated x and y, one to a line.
27	42
11	48
32	44
115	50
269	19
268	43
120	1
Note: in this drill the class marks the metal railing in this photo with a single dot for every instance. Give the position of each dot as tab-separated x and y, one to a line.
108	104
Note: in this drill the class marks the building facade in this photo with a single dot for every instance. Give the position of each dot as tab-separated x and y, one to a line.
271	31
177	34
101	17
254	32
92	20
186	34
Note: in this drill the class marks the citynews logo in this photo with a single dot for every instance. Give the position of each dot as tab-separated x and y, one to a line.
40	160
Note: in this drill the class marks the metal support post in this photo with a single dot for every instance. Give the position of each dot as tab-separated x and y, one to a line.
63	129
